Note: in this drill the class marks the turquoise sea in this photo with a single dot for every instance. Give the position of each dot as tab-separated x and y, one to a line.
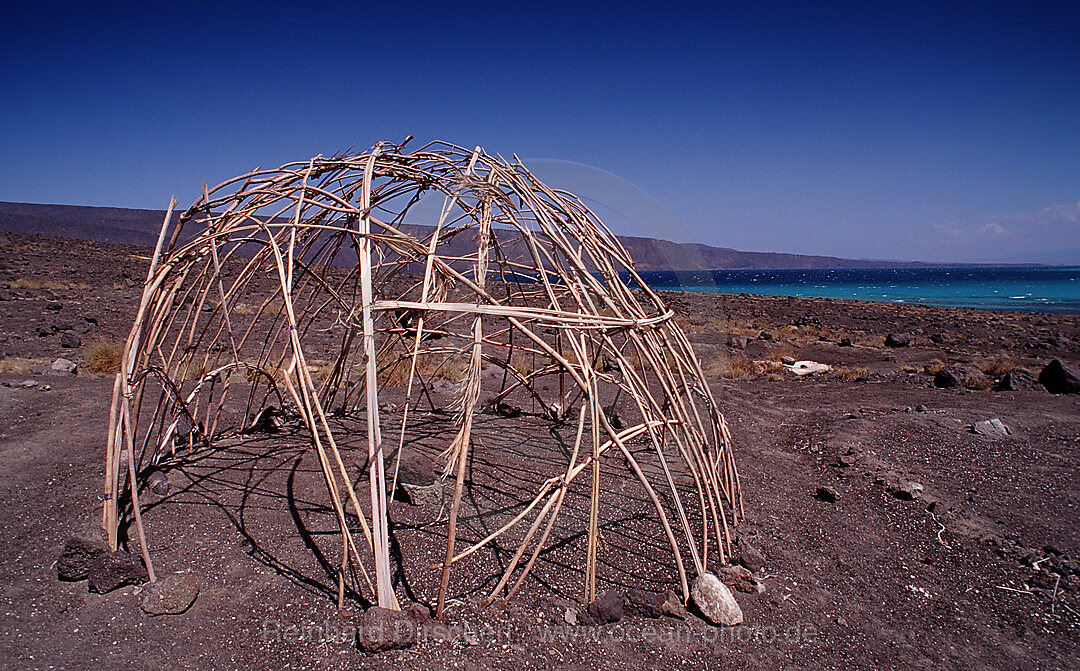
1039	289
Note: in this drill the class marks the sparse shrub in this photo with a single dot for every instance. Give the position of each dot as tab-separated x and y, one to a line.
730	367
103	357
15	367
996	366
934	366
849	374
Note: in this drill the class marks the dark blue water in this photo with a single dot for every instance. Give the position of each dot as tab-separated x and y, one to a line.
999	288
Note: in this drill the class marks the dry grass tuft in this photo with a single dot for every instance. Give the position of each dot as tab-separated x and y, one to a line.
849	374
934	366
15	367
730	367
103	357
997	366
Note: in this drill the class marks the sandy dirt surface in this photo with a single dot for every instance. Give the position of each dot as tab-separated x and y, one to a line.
977	567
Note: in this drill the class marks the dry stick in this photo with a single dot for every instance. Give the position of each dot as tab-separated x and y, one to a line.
470	393
376	474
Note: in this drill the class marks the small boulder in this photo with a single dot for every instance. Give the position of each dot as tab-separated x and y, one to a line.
171	595
113	570
383	629
897	340
826	494
787	360
750	556
991	427
1059	378
417	611
54	306
69	340
75	558
606	608
158	483
715	601
63	367
954	377
846	341
907	491
643	604
1018	379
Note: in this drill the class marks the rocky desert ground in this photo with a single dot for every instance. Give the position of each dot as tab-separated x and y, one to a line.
889	523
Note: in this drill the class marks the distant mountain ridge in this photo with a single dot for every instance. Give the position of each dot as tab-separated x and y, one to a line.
140	227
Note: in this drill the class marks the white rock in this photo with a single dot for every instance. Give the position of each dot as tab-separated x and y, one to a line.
801	368
64	366
715	600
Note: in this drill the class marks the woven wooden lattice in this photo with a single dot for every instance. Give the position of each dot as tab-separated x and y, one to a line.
321	283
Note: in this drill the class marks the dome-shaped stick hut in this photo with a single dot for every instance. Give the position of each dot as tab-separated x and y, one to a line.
455	283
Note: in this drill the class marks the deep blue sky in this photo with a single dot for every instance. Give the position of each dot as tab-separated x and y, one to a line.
916	132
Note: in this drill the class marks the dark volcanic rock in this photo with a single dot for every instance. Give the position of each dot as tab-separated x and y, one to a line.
1059	378
70	340
76	557
382	629
955	377
750	556
112	570
608	607
897	340
846	341
417	611
643	604
1018	379
826	494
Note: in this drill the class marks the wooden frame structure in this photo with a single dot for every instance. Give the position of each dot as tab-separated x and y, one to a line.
503	273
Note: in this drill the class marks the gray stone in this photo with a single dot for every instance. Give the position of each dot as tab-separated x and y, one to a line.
158	483
715	601
991	427
63	367
643	604
788	360
112	570
424	495
70	341
1059	378
672	606
171	595
75	558
382	629
907	491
